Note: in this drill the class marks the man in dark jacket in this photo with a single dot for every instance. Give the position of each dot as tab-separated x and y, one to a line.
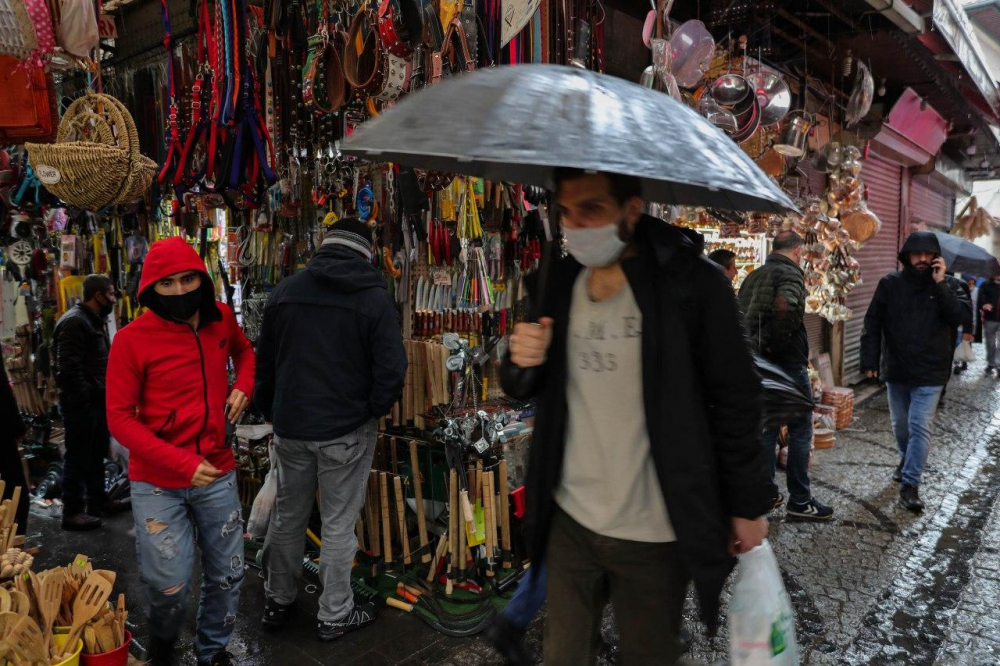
989	298
913	316
773	298
80	345
330	363
646	469
11	467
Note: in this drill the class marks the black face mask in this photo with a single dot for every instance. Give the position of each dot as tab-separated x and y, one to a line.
104	309
182	307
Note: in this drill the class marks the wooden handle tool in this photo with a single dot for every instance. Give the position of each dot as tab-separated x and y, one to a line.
418	496
386	532
453	522
488	518
504	517
401	517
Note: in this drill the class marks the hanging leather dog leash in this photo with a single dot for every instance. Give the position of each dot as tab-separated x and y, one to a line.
173	139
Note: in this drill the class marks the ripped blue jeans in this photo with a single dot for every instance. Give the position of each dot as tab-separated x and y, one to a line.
168	524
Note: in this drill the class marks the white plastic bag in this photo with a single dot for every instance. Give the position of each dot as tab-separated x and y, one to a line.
263	504
964	353
761	619
76	27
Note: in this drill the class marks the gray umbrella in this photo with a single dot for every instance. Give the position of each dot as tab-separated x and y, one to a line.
966	258
517	123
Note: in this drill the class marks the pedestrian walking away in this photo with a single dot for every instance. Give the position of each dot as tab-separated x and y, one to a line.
726	259
913	317
331	363
773	299
167	403
80	345
989	297
635	485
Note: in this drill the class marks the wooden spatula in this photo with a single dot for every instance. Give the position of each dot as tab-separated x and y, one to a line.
49	603
19	603
89	601
7	623
26	639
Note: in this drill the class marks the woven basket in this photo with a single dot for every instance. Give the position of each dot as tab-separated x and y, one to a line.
96	161
842	400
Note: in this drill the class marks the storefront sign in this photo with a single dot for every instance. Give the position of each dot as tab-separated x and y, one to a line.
951	21
106	27
516	14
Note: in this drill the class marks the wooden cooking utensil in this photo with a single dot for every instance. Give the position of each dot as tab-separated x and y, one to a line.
19	603
49	602
26	639
8	621
386	532
89	601
110	575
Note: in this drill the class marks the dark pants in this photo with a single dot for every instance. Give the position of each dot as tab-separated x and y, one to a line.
87	444
12	472
645	582
800	434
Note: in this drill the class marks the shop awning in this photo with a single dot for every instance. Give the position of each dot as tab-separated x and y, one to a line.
953	36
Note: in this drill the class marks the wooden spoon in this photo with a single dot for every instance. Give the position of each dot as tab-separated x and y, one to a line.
89	601
7	623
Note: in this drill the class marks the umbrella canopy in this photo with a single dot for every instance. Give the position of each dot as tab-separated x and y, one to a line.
518	123
966	258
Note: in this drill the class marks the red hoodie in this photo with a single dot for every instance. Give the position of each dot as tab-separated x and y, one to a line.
167	384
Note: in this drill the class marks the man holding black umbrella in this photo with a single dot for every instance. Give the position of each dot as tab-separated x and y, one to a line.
913	316
647	469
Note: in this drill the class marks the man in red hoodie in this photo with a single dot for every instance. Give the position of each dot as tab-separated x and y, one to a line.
167	387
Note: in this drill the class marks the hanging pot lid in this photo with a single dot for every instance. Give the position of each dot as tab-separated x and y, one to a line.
773	95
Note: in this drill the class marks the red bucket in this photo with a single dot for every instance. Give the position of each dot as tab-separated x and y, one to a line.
117	657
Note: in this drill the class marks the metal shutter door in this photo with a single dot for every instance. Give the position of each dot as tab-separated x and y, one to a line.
929	206
877	257
816	332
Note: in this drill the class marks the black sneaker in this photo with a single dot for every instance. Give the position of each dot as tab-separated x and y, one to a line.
80	522
778	501
275	614
990	369
910	499
813	510
161	652
508	640
359	617
897	476
221	658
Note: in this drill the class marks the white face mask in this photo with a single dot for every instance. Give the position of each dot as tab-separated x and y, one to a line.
595	247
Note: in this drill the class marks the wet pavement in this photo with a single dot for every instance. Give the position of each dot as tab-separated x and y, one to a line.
877	585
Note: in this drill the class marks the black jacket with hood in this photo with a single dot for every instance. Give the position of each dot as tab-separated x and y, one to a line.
330	354
911	321
81	346
702	400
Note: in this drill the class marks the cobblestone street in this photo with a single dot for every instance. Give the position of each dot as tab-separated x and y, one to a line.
879	585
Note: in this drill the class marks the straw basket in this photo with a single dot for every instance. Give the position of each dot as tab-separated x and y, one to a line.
842	400
95	161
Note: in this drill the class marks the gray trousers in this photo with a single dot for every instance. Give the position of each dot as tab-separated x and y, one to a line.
991	332
339	470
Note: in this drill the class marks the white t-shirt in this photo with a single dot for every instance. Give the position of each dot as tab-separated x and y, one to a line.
609	483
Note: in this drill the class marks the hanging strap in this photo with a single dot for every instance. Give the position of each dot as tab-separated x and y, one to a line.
173	138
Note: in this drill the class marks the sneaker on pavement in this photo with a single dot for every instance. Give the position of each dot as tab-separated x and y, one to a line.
990	369
508	640
220	658
359	617
161	652
275	614
897	476
813	510
80	522
778	501
910	499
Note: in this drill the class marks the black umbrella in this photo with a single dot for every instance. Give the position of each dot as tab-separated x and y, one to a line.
518	123
966	258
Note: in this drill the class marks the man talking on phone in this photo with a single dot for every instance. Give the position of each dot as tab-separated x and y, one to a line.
167	403
912	317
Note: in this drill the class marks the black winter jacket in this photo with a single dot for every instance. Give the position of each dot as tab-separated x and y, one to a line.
330	354
702	401
773	299
989	293
913	319
80	354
